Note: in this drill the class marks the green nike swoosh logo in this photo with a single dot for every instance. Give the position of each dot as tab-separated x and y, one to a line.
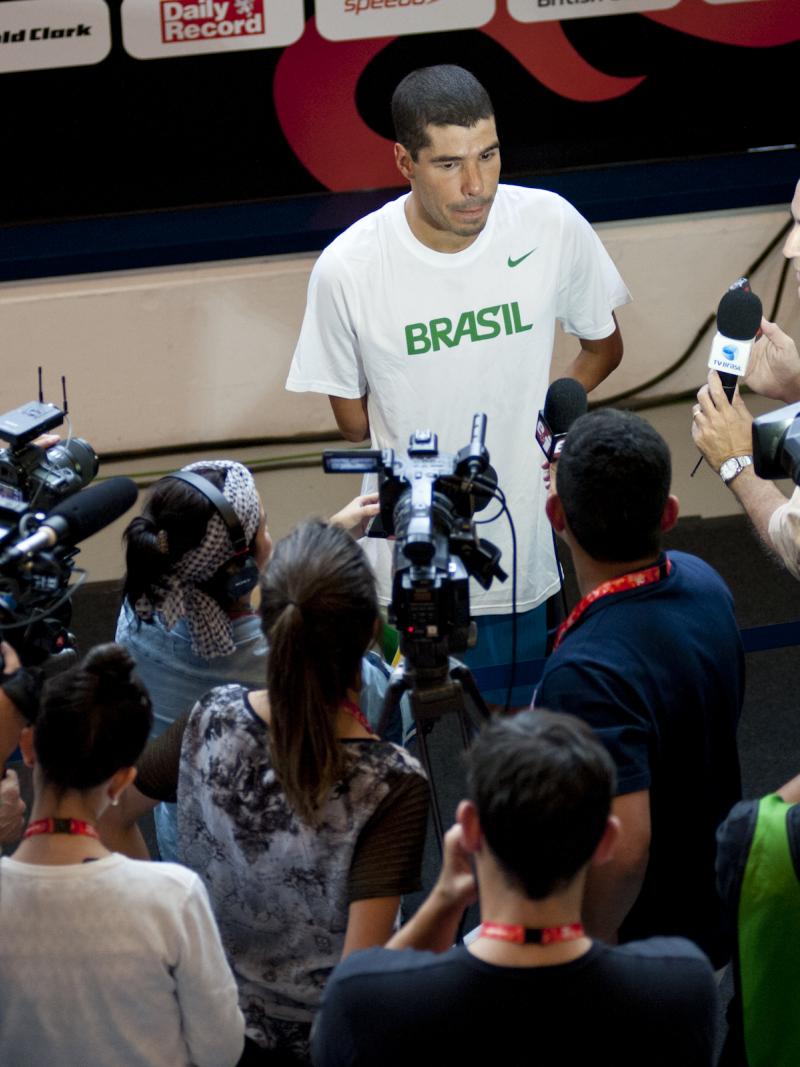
516	262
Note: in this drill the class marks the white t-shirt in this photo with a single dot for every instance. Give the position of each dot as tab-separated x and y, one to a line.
113	962
432	338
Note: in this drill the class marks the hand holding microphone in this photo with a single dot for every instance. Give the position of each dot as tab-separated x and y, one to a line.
564	402
739	317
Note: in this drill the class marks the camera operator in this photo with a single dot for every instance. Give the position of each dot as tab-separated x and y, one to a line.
18	706
723	431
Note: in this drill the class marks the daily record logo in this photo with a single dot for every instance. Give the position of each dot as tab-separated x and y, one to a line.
44	34
210	19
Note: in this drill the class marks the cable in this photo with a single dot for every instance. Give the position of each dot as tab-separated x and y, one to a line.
689	351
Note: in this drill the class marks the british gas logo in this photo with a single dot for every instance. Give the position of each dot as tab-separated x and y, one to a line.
210	19
481	325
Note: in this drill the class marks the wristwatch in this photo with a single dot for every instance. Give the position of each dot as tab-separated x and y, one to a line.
733	466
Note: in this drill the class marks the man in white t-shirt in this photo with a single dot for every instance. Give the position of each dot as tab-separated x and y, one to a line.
443	303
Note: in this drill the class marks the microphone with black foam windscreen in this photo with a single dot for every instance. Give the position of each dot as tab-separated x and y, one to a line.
77	517
738	322
564	402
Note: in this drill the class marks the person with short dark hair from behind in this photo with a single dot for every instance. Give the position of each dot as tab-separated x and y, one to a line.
103	960
652	660
531	987
305	826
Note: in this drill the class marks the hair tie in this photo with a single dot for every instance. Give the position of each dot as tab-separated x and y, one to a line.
162	542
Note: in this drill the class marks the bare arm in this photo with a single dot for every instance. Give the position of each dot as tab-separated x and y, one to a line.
612	889
369	922
596	359
435	923
791	791
351	417
722	430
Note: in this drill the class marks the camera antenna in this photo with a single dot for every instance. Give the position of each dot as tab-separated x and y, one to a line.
41	393
64	393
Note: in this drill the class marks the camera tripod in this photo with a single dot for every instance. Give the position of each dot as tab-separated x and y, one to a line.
437	688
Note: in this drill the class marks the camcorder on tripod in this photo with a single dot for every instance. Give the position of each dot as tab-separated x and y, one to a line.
35	591
427	501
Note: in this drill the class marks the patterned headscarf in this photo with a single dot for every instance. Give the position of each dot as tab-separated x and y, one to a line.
209	624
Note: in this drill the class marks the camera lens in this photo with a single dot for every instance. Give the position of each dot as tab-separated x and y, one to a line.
75	455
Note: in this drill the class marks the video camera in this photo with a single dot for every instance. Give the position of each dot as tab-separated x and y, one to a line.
34	596
427	501
776	444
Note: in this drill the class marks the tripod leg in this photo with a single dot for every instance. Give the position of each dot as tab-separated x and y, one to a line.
423	729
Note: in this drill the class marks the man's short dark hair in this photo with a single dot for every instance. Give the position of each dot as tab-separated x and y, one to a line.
542	784
613	480
444	95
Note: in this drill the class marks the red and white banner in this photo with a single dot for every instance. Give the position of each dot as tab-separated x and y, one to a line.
154	29
41	34
349	20
558	10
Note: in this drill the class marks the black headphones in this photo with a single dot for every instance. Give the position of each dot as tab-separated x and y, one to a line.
238	575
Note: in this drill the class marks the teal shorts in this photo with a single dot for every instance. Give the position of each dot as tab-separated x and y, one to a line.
490	660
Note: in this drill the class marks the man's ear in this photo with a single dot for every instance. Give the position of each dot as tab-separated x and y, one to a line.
467	818
669	516
555	513
403	160
608	843
26	746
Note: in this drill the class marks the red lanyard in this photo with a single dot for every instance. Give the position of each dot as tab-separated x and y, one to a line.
633	580
61	826
358	715
531	935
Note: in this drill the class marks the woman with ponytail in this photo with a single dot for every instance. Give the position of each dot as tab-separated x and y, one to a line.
103	960
188	626
305	827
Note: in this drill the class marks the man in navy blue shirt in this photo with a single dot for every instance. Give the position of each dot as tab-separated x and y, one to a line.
651	659
531	987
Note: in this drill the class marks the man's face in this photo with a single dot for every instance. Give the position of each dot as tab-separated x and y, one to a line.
791	248
453	183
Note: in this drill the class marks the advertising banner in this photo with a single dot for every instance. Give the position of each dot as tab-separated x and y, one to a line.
348	20
43	34
155	29
548	10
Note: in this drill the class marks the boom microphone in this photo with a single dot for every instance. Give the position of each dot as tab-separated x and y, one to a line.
564	402
738	321
77	517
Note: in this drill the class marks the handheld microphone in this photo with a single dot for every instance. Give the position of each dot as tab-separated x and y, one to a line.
738	321
77	517
564	402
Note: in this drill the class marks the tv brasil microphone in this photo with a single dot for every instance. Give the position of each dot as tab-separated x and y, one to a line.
77	517
738	321
564	402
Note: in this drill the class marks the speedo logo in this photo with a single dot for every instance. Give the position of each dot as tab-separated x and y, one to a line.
481	325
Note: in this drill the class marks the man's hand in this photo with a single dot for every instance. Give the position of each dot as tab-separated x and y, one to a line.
433	925
12	808
355	516
719	429
773	369
456	887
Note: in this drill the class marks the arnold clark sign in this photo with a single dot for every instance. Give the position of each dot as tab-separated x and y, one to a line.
42	34
348	20
154	29
552	10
